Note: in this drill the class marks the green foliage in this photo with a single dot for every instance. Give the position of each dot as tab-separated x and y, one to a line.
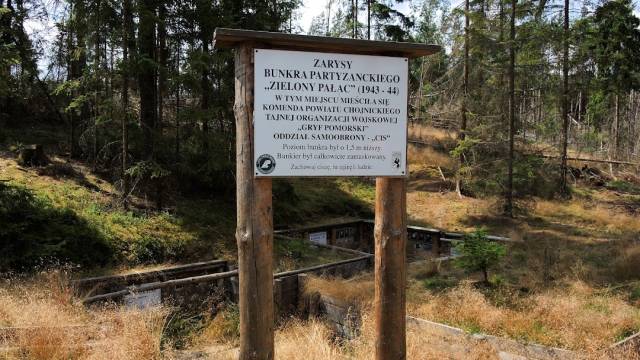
477	253
179	329
439	283
294	248
147	169
625	333
616	45
207	165
152	250
33	232
623	186
464	146
634	295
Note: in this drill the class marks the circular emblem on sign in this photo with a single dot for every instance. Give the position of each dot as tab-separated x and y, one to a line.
266	164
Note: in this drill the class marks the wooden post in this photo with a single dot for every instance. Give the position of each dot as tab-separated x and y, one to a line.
254	231
390	268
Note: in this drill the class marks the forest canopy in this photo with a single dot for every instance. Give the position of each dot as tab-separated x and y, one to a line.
136	89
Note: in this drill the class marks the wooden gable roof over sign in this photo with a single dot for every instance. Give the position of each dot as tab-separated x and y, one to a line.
230	38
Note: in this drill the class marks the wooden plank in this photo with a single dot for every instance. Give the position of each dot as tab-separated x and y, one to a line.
320	227
390	268
173	269
363	259
254	230
229	38
89	286
161	285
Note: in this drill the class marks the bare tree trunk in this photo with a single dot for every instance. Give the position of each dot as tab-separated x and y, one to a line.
205	35
178	102
565	98
465	92
98	93
328	30
147	75
368	19
355	19
71	74
419	96
613	151
512	111
127	29
162	62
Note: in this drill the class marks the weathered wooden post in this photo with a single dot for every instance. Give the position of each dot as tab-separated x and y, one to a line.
254	229
310	106
390	268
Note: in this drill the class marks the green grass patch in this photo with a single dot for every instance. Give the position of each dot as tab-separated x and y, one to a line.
623	186
33	232
290	254
439	283
299	201
634	295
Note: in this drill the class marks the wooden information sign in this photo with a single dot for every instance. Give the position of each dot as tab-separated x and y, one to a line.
319	106
325	114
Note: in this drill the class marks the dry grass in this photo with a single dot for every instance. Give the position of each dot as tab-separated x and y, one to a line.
571	314
627	264
428	133
575	316
421	155
447	210
222	329
313	340
357	290
41	321
592	216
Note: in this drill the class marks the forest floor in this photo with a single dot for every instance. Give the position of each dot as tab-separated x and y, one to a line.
190	229
572	281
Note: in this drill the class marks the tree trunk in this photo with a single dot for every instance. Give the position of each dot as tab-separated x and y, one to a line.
71	75
162	62
512	110
465	92
355	19
206	88
613	152
97	101
178	102
147	74
205	35
565	98
126	74
369	19
328	30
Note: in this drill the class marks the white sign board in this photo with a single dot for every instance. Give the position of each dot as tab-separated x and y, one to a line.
318	237
143	299
323	114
